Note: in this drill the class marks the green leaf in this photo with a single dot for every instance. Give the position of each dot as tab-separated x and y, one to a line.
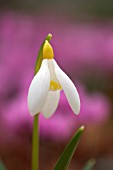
2	166
40	54
66	156
89	164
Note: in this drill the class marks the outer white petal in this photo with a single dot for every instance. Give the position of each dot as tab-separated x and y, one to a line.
51	103
38	90
69	88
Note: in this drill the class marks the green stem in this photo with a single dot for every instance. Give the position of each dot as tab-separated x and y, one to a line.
35	144
35	137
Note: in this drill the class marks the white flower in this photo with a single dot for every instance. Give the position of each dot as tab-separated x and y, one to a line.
44	91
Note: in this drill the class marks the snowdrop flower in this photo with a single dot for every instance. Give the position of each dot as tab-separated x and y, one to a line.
44	91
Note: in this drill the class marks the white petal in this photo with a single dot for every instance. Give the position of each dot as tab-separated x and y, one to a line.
69	88
51	103
38	90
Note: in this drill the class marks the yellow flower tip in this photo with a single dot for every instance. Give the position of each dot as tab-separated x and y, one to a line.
47	51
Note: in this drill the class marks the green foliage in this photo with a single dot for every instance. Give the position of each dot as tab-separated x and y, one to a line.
89	164
66	156
2	166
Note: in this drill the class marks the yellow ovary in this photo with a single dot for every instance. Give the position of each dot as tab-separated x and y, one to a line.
55	86
48	51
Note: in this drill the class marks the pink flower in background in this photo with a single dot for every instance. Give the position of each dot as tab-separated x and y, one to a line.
94	109
89	47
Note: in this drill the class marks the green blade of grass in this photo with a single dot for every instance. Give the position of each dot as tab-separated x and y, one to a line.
66	156
89	164
2	167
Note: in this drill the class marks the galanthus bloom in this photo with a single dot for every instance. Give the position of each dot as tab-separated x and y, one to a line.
44	91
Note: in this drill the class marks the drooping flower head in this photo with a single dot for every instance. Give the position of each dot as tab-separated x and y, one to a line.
44	91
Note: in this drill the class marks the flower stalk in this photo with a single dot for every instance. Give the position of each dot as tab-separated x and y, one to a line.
35	134
35	144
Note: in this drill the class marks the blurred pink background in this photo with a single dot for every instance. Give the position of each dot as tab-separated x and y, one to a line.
83	46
